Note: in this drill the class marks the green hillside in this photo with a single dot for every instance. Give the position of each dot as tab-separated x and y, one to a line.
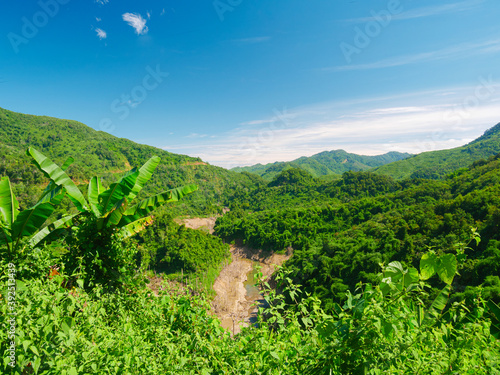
99	153
437	164
327	163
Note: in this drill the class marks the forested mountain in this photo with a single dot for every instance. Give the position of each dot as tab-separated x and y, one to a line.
327	163
342	231
437	164
99	153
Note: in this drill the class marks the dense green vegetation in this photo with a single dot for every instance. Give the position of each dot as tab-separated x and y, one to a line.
99	153
387	277
343	230
438	164
327	163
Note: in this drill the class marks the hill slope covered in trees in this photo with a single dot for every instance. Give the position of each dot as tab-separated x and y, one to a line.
327	163
437	164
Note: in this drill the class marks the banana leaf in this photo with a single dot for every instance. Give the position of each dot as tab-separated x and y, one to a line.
134	227
52	189
9	207
438	305
95	188
51	229
117	191
31	220
145	173
59	177
144	207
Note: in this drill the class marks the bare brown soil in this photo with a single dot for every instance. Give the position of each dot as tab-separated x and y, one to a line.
231	304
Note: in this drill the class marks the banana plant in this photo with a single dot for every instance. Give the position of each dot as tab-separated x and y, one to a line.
111	207
16	225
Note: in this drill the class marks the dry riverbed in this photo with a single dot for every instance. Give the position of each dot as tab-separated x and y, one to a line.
235	292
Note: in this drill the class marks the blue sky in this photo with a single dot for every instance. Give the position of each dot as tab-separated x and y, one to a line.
240	82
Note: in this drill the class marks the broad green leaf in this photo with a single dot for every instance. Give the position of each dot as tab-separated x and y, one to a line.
145	173
31	220
50	229
114	217
494	310
438	305
9	207
134	227
5	235
52	189
144	207
410	277
428	265
95	188
447	267
59	177
117	191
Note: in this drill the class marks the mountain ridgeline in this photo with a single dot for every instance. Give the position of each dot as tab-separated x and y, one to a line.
99	153
327	163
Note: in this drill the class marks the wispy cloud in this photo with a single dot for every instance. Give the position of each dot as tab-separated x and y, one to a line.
101	33
102	2
258	39
427	11
413	122
137	22
454	52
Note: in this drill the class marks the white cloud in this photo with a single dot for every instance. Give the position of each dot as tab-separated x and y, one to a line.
455	52
98	19
413	122
102	2
101	33
137	22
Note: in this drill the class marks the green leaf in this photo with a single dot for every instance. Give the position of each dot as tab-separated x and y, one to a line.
494	311
95	188
447	267
31	220
51	229
59	177
117	191
5	235
134	227
52	189
144	207
145	173
438	305
9	207
428	265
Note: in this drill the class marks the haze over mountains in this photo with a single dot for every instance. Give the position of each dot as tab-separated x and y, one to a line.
104	154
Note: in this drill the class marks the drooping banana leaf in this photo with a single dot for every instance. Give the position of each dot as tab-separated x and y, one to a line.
144	207
134	227
51	229
31	220
5	237
59	177
145	173
494	312
9	207
115	215
438	305
117	191
52	189
95	188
